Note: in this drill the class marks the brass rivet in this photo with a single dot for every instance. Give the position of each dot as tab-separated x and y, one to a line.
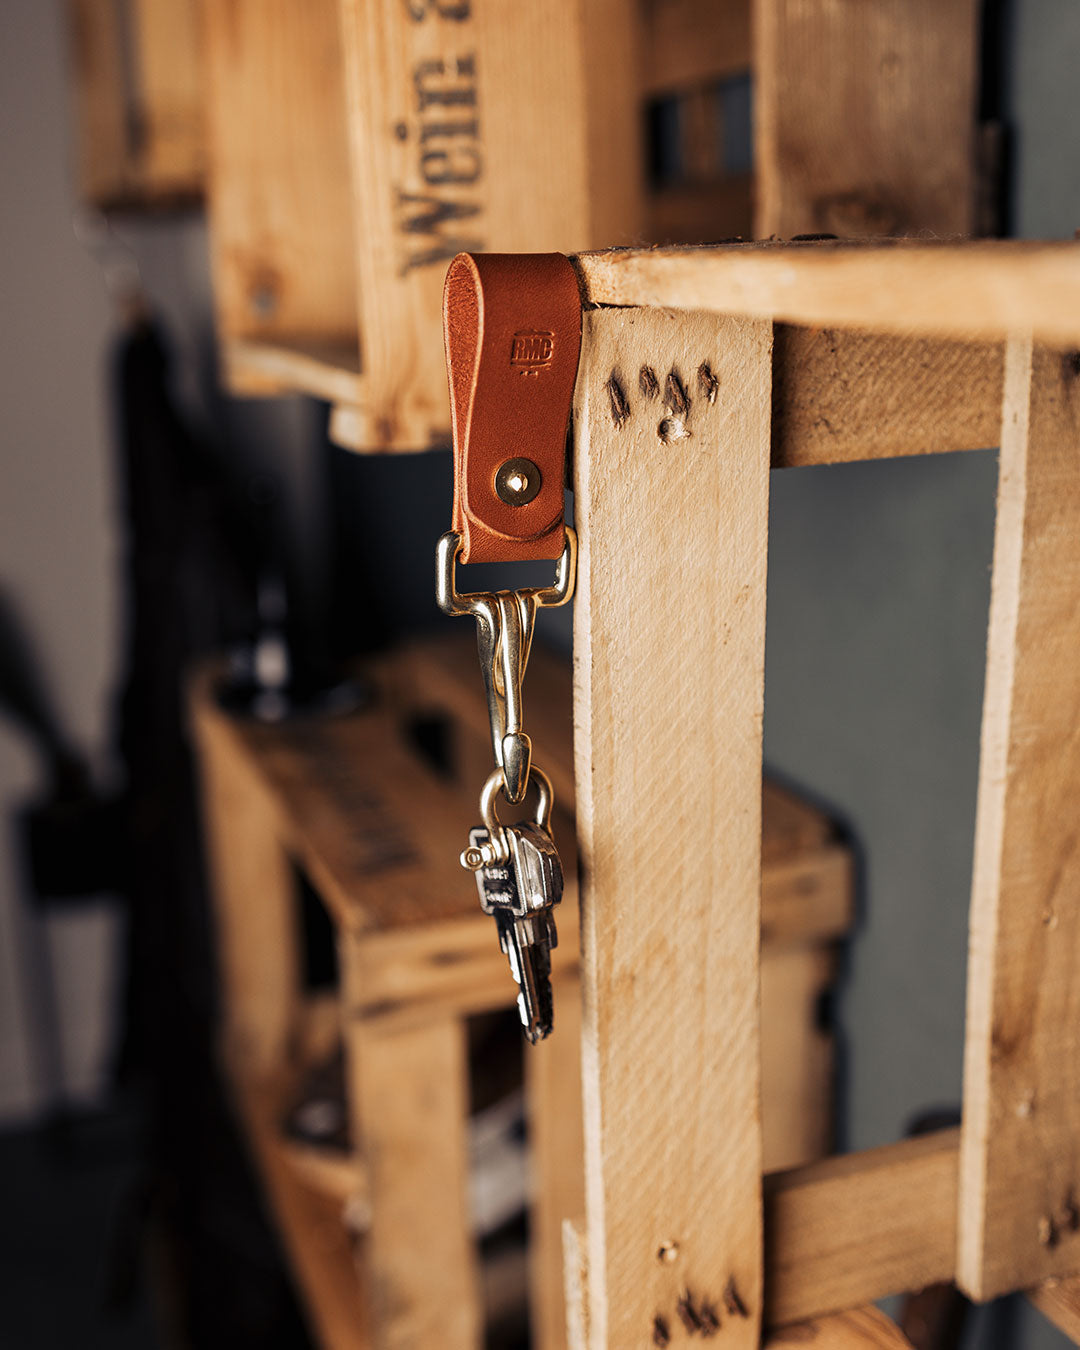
517	482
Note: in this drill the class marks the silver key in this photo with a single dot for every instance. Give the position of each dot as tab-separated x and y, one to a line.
519	878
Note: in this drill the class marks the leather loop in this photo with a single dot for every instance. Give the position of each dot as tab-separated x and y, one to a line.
512	324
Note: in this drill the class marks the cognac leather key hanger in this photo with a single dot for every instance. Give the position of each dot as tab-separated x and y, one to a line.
513	335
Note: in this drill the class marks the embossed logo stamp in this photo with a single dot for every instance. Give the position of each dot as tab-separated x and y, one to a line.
529	351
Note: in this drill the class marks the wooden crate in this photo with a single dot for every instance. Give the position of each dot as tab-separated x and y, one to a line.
377	832
138	91
509	127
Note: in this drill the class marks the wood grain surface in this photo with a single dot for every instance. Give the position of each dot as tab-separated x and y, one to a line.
671	874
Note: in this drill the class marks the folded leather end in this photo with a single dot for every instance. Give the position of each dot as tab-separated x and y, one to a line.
512	327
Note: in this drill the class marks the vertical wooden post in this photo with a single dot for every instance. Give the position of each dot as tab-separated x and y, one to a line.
409	1097
1019	1215
255	902
553	1087
672	474
905	76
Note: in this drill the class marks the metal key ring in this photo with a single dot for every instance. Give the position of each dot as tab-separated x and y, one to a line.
493	785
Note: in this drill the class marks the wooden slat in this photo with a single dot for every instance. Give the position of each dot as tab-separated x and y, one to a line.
255	905
281	203
841	396
857	1329
702	213
796	1056
137	68
692	42
1020	1155
449	144
553	1093
838	395
796	1095
326	369
853	1229
98	70
980	290
575	1285
1059	1300
408	1090
671	897
168	71
310	1224
864	117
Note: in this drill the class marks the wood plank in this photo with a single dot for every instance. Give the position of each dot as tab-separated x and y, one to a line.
576	1285
702	213
672	1154
254	903
169	96
444	102
557	1150
841	396
1059	1300
905	76
1020	1158
979	290
856	1228
280	196
95	37
796	1095
838	395
408	1090
796	1056
315	1238
856	1329
324	368
693	42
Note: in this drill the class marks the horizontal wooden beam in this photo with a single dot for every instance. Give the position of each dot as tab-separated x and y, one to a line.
838	395
1059	1300
982	289
853	1229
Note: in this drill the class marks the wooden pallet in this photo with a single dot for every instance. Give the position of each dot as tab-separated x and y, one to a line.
992	1205
356	146
377	832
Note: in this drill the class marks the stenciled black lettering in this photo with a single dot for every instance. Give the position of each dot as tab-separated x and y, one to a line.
462	165
428	216
453	97
455	10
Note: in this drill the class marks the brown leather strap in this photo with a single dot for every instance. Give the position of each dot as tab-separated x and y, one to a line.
512	323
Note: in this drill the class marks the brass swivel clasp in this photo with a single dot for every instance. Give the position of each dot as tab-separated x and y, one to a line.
504	631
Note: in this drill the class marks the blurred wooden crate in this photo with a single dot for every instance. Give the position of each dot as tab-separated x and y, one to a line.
416	130
377	831
138	91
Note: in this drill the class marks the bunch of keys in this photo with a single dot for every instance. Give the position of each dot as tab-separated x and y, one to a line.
519	876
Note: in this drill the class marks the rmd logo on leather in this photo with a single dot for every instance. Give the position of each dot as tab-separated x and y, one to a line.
531	351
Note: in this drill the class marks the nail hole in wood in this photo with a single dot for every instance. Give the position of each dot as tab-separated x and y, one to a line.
672	429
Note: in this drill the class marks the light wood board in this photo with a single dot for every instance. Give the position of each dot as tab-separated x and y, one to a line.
1020	1154
280	196
864	116
852	1229
982	289
671	877
408	1092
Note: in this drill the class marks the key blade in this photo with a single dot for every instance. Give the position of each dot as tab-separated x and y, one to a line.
525	942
